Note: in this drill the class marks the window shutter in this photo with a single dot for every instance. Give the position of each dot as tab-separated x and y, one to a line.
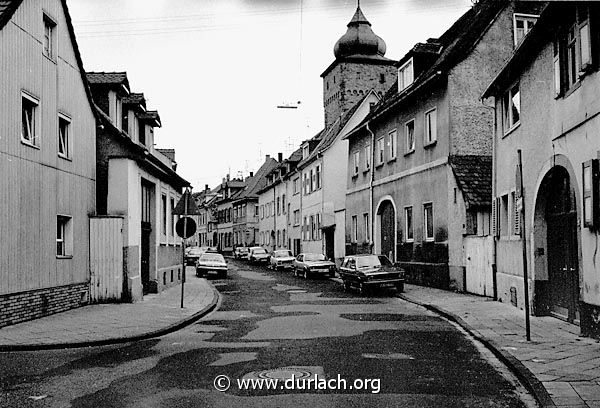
495	217
516	218
557	69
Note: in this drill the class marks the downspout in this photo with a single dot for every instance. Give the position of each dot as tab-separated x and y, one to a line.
320	155
494	187
371	180
274	219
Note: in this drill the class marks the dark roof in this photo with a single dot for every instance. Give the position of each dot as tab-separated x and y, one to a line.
259	181
108	78
151	116
542	32
7	9
135	99
454	45
474	178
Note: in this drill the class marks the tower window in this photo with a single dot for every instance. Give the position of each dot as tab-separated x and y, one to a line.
381	78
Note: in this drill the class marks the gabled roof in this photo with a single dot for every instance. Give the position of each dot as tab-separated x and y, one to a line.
108	78
474	178
259	180
151	116
135	99
455	45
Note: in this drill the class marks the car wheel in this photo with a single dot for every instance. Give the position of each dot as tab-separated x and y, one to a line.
306	274
362	289
346	286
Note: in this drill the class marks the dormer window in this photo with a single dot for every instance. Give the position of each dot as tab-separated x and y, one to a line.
523	23
305	152
49	37
405	75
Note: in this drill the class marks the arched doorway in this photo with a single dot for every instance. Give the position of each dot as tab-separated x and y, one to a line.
386	215
556	223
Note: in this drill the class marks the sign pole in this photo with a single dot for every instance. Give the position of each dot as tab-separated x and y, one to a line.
524	239
185	213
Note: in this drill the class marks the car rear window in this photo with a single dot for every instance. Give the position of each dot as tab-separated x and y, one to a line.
367	261
260	251
212	258
282	253
314	257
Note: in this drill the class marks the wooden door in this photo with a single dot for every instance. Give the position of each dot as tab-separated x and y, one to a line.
388	231
329	237
145	255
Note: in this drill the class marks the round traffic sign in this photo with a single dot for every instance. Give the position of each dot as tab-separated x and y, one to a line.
190	227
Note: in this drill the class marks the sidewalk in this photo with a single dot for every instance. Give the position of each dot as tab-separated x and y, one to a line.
560	367
103	324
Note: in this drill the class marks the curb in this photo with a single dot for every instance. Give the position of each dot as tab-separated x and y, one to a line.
526	377
120	340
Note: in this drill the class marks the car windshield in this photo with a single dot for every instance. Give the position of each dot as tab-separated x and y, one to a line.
242	249
195	251
280	254
367	262
212	258
314	257
385	261
259	251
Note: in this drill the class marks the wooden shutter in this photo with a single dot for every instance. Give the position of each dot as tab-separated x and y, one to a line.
495	217
516	218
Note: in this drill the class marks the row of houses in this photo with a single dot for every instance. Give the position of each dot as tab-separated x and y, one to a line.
418	159
85	197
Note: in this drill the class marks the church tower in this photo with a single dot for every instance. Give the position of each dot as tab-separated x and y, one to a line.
359	66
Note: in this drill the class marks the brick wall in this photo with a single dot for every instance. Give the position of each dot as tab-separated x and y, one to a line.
23	306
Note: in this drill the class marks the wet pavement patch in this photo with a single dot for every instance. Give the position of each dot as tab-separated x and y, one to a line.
388	356
389	317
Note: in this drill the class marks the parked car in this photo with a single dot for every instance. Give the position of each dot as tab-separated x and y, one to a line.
192	254
211	262
369	271
281	259
241	252
258	254
307	264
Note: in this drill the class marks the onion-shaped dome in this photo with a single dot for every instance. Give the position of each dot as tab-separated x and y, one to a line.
359	39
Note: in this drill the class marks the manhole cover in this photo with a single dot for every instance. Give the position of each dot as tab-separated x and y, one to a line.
285	373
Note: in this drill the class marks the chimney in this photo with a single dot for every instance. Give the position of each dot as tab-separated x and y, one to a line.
224	179
279	157
267	157
206	187
251	174
227	176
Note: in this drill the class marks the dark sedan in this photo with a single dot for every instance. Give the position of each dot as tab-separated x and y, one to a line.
369	271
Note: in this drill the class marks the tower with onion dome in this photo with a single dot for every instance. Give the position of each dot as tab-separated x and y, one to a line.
359	66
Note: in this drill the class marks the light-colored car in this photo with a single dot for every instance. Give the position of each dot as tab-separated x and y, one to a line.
258	254
281	259
211	262
308	264
241	252
369	271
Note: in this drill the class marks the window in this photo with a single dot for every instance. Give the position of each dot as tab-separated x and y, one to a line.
64	124
256	210
29	120
164	213
410	136
305	151
64	236
367	227
283	203
354	229
283	243
405	75
296	187
523	23
318	177
504	215
408	224
306	184
392	144
367	157
305	228
511	108
430	126
312	180
574	50
278	206
356	156
428	221
49	39
318	226
380	151
278	238
313	230
296	217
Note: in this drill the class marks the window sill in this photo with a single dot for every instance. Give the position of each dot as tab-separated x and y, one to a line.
430	144
64	256
393	159
573	88
409	152
379	165
429	240
512	129
28	143
409	241
354	175
366	170
49	58
67	158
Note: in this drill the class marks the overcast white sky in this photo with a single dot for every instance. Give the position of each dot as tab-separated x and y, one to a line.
217	69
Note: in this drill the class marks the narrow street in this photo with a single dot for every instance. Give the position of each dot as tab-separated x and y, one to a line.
269	325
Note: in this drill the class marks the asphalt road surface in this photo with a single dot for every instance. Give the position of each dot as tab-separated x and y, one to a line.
342	349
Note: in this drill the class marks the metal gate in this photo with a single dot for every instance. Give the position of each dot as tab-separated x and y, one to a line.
479	257
106	259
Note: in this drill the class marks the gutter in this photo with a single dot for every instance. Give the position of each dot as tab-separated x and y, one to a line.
371	181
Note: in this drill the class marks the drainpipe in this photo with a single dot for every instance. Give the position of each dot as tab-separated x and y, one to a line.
371	180
320	156
494	187
274	219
